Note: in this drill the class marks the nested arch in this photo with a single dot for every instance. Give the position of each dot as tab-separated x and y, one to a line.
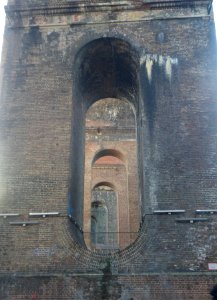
104	68
109	153
115	188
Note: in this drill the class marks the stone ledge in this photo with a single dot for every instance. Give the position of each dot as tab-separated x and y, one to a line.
76	13
57	7
15	275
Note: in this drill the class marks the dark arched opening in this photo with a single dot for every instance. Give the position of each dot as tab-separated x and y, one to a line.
104	68
104	218
107	68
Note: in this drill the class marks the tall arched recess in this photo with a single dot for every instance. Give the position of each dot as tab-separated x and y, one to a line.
103	68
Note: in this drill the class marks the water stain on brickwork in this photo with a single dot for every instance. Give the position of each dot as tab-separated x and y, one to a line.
109	286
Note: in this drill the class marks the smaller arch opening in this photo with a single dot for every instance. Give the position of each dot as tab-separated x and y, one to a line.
104	218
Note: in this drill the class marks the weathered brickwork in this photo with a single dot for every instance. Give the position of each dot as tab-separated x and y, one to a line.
143	287
57	61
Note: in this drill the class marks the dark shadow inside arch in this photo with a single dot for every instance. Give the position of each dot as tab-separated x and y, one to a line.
107	68
104	68
109	152
104	183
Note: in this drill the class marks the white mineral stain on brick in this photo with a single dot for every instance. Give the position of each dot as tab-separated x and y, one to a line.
162	61
149	65
202	252
168	69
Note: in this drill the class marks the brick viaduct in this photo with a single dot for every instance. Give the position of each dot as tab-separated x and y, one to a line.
154	165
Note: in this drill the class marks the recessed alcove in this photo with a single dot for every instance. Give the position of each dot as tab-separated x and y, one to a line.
106	82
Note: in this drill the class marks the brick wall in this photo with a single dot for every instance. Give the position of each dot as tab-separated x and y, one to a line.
142	287
42	151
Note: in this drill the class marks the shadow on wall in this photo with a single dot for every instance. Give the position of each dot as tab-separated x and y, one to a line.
214	292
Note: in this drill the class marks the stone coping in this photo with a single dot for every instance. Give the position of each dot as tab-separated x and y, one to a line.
56	7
